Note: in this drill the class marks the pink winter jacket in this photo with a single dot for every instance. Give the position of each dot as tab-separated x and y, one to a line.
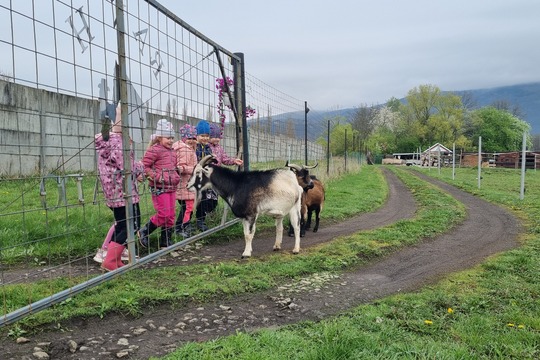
186	162
160	168
110	162
221	155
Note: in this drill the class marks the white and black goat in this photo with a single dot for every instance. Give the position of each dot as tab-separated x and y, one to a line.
250	193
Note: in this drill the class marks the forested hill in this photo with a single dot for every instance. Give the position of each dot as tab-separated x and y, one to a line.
524	96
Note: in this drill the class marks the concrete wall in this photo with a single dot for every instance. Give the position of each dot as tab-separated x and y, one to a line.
44	132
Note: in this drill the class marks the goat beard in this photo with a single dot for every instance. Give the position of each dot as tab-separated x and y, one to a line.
198	196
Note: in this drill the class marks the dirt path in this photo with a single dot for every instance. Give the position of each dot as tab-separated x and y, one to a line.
487	229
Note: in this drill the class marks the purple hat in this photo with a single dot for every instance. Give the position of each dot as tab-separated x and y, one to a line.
215	131
188	132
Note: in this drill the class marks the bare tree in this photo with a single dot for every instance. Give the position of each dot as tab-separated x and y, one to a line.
364	121
210	113
468	100
268	127
505	105
184	112
6	76
291	132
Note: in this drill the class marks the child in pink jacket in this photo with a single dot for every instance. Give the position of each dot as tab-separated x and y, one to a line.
110	163
160	168
186	162
217	150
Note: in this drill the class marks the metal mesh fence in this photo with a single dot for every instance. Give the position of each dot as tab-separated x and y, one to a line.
65	67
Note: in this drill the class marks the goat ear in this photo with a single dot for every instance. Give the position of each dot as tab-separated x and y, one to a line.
207	172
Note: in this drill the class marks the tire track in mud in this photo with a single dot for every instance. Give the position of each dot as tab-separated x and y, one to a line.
487	230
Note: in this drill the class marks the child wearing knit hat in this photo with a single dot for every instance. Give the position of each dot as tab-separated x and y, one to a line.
186	162
160	168
209	198
110	163
218	150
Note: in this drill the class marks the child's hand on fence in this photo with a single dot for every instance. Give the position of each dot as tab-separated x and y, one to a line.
238	162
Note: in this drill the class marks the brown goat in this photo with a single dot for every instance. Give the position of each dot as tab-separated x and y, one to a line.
312	198
312	201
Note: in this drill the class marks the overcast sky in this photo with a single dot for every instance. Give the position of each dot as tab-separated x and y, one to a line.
346	53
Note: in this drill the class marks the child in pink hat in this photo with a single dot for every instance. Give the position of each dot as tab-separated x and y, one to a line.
186	162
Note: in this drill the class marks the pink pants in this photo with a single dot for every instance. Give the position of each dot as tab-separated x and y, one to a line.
165	206
189	210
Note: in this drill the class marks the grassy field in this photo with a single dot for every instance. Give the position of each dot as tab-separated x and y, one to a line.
489	312
40	225
142	288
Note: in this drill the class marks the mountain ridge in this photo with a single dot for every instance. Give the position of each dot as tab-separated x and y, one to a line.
526	96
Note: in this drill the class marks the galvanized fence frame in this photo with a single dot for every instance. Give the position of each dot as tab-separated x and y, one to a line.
68	63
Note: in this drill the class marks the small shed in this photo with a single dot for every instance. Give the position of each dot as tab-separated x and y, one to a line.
438	148
430	156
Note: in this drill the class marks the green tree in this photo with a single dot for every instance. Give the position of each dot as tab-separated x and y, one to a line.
500	130
430	116
338	130
382	141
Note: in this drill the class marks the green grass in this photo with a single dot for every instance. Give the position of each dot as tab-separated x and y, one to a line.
45	227
494	306
193	283
489	312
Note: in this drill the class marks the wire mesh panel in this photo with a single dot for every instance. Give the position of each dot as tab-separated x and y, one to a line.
62	72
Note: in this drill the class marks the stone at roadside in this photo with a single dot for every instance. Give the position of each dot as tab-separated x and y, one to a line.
41	355
22	340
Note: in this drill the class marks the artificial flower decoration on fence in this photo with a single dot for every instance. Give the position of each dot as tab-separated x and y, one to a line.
249	111
222	92
223	96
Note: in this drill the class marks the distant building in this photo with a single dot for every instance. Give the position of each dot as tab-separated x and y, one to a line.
430	156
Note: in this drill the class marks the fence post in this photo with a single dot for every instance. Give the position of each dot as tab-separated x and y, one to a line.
523	164
306	110
345	146
453	161
328	150
242	138
121	75
479	161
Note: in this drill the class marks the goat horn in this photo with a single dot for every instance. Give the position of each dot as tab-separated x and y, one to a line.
205	160
310	167
295	167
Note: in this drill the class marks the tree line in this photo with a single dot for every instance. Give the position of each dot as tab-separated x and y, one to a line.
428	116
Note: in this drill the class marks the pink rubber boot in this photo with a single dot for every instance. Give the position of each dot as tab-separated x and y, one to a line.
113	260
